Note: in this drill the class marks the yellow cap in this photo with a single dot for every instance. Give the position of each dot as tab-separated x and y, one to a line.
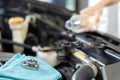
16	20
50	52
79	55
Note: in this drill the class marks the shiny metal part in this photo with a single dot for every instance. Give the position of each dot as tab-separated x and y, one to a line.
31	64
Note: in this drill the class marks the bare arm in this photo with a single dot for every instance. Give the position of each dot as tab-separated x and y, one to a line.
108	2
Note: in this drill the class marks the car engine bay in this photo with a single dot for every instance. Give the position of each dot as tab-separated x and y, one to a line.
79	56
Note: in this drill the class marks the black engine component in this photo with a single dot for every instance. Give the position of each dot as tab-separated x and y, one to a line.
85	72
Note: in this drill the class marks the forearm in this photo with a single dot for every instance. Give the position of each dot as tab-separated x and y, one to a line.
107	2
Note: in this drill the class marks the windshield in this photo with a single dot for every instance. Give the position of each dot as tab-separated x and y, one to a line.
69	4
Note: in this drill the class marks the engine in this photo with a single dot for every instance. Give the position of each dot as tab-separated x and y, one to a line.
84	56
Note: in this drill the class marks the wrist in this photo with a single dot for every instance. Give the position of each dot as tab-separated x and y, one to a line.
103	3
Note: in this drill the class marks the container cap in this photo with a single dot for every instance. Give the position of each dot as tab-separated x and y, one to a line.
16	20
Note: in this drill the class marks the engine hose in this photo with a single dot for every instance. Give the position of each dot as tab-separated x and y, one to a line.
85	72
15	43
33	48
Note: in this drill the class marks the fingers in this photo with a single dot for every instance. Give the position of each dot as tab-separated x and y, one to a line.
88	11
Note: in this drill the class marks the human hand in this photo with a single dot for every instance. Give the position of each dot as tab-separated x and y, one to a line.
91	16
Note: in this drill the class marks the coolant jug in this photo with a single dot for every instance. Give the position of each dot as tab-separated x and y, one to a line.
74	23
